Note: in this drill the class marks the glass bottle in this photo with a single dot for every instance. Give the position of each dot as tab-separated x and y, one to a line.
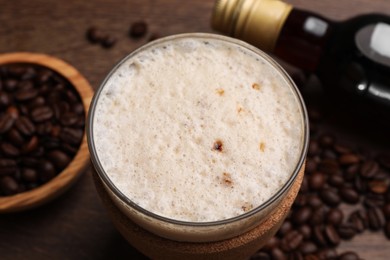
351	58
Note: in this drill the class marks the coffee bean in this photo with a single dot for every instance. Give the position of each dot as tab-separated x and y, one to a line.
308	247
10	84
329	154
318	236
358	219
278	254
29	175
314	148
331	235
302	215
378	186
348	159
346	231
335	180
360	184
59	159
311	165
9	149
15	137
36	102
6	122
284	228
316	180
326	140
44	76
71	135
4	99
349	195
46	171
26	94
109	41
330	197
329	166
44	128
94	35
373	200
369	169
31	145
25	126
41	114
272	243
7	167
69	119
314	201
341	149
305	230
334	217
327	253
8	185
138	29
376	219
317	216
291	240
348	256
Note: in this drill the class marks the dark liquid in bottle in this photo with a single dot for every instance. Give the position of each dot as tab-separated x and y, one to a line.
344	57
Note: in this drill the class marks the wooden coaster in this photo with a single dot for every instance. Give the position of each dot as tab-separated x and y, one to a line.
240	247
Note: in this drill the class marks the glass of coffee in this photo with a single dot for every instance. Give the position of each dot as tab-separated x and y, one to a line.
197	137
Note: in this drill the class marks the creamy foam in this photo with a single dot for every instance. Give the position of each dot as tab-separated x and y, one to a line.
198	130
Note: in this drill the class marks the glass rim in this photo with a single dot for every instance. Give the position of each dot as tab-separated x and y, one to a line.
282	191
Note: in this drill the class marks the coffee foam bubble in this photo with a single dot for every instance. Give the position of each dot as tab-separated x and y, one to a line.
197	130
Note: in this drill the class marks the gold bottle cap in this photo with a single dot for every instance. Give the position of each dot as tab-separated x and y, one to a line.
258	22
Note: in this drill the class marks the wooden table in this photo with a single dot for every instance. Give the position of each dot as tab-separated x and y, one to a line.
76	226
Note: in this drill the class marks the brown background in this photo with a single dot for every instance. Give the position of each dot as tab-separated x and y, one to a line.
76	226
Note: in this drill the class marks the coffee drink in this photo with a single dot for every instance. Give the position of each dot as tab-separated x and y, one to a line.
197	130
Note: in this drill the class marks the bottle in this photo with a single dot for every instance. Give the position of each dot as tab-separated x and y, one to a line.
351	58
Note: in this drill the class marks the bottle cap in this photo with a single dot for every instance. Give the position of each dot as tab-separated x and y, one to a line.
258	22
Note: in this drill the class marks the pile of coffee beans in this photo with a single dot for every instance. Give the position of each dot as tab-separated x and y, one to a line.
42	122
344	192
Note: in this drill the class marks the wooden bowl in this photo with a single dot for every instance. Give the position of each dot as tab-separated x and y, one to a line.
59	184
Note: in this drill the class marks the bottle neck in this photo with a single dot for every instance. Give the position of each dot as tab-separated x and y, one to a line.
258	22
303	39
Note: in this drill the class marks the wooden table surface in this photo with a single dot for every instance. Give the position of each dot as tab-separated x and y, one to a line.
76	226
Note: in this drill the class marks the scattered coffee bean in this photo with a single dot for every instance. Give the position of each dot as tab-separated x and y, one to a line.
334	217
330	197
37	141
349	195
376	219
346	231
331	235
369	169
335	174
109	41
138	29
94	35
316	180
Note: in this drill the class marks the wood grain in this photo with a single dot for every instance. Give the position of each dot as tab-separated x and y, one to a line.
76	226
